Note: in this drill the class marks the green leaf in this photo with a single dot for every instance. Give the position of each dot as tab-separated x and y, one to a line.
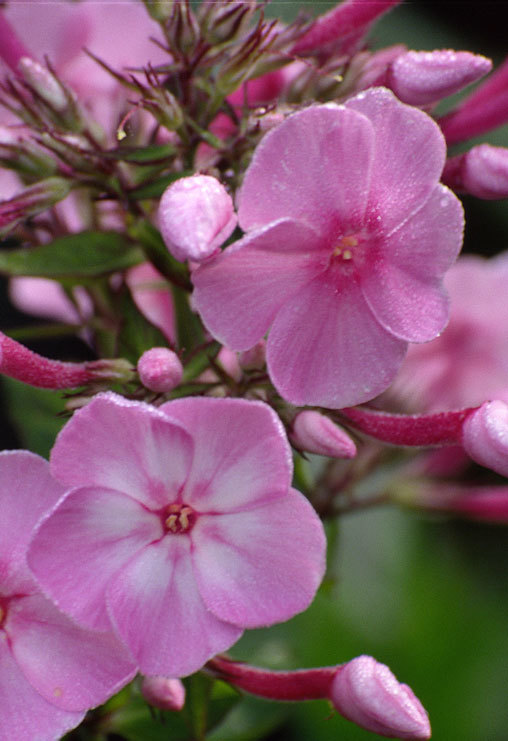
156	188
142	155
84	255
137	722
33	413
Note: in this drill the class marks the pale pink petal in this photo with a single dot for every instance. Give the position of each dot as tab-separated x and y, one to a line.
25	714
411	309
240	291
327	349
241	455
123	445
42	297
402	283
485	436
260	566
427	244
27	492
323	157
80	547
72	668
408	159
157	610
152	296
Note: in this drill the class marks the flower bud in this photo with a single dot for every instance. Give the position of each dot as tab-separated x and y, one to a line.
32	201
254	358
20	363
422	77
367	693
160	370
315	433
485	436
195	217
163	693
160	10
484	172
43	83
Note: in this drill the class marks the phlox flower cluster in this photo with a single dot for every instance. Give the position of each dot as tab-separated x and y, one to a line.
253	229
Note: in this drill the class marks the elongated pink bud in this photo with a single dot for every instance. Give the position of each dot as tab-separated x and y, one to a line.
20	363
482	172
313	432
367	693
363	690
163	693
196	216
485	436
442	428
422	77
303	684
350	18
160	370
483	110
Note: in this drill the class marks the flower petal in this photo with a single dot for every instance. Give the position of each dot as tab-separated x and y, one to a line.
79	548
123	445
409	155
157	610
402	283
241	456
24	712
239	292
27	491
327	349
315	167
260	566
71	668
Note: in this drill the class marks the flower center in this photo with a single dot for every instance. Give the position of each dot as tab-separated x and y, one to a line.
180	518
343	249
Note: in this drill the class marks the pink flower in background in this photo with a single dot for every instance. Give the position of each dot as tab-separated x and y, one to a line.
51	671
468	363
181	529
152	295
118	32
348	236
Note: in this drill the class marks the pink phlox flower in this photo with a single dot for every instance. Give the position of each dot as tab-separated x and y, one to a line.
46	298
51	670
181	529
468	363
119	33
348	236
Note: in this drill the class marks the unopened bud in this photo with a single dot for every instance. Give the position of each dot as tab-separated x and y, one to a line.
160	10
20	363
163	693
222	22
164	108
485	436
43	83
313	432
196	216
367	693
160	370
422	77
254	358
32	201
484	171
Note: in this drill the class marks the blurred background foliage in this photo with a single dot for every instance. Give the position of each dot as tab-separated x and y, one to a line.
426	595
